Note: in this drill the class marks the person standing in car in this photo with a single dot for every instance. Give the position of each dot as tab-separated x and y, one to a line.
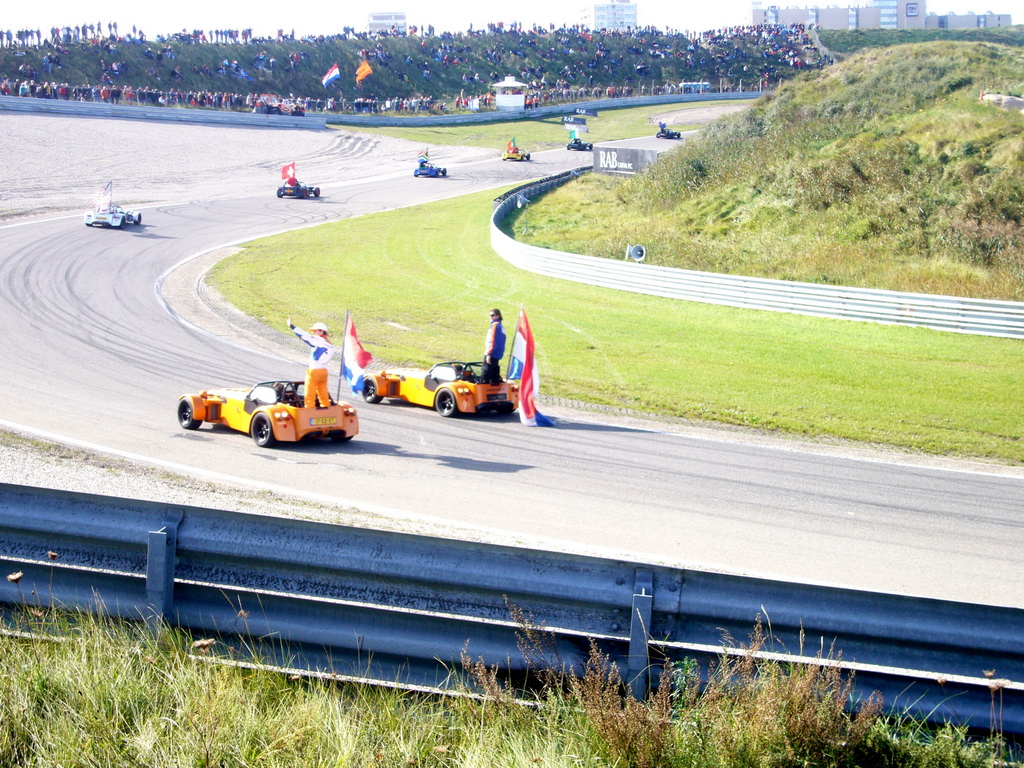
494	349
320	356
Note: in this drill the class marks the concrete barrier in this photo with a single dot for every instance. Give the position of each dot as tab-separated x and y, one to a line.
172	114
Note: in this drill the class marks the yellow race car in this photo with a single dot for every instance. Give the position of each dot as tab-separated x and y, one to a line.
449	388
515	154
271	412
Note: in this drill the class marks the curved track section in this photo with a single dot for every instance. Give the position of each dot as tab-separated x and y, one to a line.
91	354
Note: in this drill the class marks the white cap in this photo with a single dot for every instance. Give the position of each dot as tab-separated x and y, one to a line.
318	327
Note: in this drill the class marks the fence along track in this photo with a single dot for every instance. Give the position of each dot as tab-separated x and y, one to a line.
944	313
401	608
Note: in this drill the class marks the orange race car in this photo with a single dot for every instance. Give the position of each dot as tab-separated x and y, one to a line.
449	388
271	412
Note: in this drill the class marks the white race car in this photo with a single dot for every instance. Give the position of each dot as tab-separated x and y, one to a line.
115	216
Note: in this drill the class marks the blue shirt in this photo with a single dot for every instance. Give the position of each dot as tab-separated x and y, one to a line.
494	345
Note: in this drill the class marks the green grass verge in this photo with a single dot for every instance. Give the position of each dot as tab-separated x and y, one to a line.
540	133
419	282
119	696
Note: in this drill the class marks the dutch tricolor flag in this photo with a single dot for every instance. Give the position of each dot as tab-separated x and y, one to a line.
332	74
354	359
524	368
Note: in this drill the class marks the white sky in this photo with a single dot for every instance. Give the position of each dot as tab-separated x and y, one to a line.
318	17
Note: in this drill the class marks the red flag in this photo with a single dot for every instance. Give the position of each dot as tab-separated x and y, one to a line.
288	171
363	72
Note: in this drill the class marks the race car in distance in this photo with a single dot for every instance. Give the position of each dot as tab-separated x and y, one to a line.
269	104
515	154
270	412
429	169
298	190
115	217
580	145
449	388
665	133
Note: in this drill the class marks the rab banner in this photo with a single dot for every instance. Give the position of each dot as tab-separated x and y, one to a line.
573	120
623	162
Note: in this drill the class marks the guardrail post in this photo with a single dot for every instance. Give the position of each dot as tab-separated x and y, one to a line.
160	561
639	632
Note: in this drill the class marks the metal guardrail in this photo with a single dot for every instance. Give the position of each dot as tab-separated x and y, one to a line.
531	114
168	114
945	313
318	120
401	608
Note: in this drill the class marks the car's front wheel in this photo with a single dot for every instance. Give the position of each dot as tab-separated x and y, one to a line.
186	418
445	403
316	192
370	391
262	431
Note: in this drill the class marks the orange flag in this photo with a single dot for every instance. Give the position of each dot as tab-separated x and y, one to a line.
363	71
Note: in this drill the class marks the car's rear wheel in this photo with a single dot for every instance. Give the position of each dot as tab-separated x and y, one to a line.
340	437
280	193
506	408
445	403
370	391
186	418
262	431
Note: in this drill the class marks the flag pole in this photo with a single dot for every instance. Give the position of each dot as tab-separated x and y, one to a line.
341	365
519	317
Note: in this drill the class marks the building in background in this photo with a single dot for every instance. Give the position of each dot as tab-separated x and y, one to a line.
880	14
967	20
616	14
386	22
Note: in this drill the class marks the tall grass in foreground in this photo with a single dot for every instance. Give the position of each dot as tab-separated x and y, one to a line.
114	694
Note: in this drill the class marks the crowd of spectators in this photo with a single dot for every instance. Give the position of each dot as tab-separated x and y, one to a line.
557	65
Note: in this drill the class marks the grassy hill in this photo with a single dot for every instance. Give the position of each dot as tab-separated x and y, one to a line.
885	171
841	42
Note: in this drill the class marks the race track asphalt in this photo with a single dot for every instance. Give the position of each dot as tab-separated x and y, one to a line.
95	352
